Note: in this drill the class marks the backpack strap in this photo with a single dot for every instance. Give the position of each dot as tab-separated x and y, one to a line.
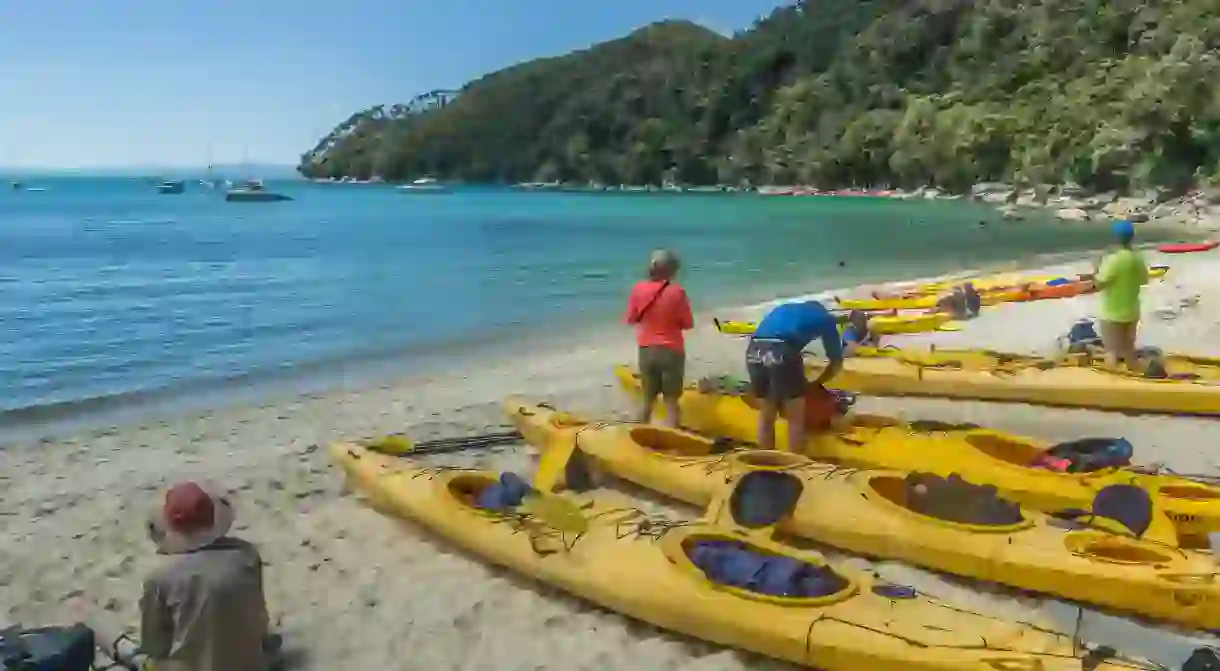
643	311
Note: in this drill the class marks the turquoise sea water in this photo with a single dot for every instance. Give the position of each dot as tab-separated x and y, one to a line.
111	293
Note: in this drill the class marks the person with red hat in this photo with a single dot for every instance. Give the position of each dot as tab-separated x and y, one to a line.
204	609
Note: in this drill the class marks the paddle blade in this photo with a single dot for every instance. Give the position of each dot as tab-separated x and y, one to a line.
949	326
553	464
556	512
391	445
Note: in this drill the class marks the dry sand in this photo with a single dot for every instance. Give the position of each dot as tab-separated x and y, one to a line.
348	587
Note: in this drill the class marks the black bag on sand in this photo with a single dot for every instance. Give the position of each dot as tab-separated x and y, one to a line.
47	649
1203	659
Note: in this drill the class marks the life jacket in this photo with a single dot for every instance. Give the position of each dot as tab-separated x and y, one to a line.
823	405
1086	455
734	564
508	493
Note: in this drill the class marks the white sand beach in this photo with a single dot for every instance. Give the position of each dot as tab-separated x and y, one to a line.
350	588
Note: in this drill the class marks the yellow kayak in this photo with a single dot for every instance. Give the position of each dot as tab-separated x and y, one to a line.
735	327
597	546
1189	388
956	528
1001	290
1000	281
879	324
1005	295
979	455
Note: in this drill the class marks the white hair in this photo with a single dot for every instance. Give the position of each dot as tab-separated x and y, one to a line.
663	264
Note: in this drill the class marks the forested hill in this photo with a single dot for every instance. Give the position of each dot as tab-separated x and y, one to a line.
1105	93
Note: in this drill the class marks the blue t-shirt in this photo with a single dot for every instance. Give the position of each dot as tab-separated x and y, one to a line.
799	324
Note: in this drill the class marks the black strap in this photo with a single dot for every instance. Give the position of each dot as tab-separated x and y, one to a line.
640	315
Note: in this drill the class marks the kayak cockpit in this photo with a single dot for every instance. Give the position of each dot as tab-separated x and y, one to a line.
737	555
769	460
1189	491
671	442
1001	448
950	500
466	488
755	572
1104	547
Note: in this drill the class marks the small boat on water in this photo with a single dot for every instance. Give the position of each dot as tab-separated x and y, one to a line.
171	186
253	191
424	185
17	186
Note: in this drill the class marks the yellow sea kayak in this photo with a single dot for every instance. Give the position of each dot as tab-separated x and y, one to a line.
951	527
979	455
879	324
1005	295
1004	280
1190	388
596	546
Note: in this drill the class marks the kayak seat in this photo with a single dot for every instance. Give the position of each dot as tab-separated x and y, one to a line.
953	499
736	564
1127	507
763	498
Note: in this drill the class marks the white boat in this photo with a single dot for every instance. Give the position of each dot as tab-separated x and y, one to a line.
424	185
171	186
253	191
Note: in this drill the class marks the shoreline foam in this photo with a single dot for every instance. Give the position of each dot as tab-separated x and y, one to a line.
350	587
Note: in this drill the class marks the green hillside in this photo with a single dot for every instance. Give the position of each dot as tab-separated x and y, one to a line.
1108	94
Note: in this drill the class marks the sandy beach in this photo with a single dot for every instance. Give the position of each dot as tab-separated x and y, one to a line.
349	587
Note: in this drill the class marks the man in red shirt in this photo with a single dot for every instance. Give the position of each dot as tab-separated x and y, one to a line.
660	312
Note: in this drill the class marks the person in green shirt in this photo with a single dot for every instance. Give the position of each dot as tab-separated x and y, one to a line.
1119	276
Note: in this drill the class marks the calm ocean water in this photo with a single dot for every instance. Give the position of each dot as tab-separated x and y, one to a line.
111	293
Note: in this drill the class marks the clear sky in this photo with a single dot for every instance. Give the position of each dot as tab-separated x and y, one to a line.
96	83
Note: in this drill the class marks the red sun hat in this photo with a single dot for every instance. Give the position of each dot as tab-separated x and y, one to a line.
193	516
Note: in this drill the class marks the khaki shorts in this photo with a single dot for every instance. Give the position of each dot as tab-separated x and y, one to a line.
1118	338
662	371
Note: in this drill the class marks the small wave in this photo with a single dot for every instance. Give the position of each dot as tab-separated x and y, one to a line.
139	222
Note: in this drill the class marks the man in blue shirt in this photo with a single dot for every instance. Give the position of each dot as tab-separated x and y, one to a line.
777	371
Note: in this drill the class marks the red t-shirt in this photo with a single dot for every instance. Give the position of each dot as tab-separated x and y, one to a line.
665	321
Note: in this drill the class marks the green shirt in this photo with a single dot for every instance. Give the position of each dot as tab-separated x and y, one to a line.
1122	274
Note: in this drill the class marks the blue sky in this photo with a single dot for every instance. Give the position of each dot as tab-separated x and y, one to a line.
99	83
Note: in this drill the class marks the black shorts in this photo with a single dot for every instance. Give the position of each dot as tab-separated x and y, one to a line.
661	371
776	370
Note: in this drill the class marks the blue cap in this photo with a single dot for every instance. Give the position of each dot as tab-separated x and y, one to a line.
1123	229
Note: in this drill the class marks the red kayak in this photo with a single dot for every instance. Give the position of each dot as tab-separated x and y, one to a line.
1185	247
